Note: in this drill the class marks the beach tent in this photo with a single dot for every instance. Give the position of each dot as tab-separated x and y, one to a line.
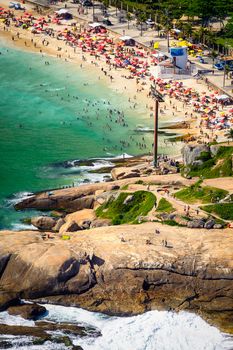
128	40
96	25
222	97
158	55
64	13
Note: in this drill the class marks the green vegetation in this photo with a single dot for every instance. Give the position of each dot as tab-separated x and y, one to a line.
139	182
217	166
165	206
125	187
223	210
127	207
198	194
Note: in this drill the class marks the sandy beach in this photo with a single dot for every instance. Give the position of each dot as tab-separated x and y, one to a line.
174	110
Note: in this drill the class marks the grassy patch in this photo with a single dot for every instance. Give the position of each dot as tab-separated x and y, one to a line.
198	194
139	182
125	187
165	206
121	210
223	210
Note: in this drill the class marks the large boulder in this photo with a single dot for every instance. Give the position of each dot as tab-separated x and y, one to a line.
217	226
191	153
214	149
44	223
27	311
8	299
124	173
70	226
81	217
210	224
196	223
100	223
59	224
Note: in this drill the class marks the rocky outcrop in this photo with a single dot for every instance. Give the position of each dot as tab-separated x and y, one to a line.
61	333
81	217
8	299
100	223
124	173
59	224
70	226
198	223
28	311
191	153
68	200
115	270
80	220
44	223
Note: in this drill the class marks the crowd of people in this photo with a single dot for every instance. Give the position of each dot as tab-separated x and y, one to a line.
102	46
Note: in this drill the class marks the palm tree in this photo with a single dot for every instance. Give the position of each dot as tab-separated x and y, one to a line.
213	55
141	18
187	29
129	18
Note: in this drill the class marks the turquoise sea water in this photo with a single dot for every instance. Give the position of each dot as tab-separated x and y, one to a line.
45	116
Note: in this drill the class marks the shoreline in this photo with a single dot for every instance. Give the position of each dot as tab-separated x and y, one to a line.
135	91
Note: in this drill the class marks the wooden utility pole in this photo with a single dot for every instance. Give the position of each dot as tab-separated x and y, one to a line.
156	115
158	98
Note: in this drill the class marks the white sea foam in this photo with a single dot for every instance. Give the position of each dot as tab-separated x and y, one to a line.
19	196
21	227
56	89
11	320
120	156
97	164
154	330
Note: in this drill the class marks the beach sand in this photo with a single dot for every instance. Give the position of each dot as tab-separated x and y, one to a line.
171	111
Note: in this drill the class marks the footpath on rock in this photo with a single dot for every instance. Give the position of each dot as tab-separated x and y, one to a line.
134	244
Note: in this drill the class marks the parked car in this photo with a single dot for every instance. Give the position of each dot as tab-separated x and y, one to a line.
149	22
16	6
219	66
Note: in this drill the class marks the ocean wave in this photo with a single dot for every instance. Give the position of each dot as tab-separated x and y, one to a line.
56	89
18	226
11	320
18	197
143	129
120	156
153	330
